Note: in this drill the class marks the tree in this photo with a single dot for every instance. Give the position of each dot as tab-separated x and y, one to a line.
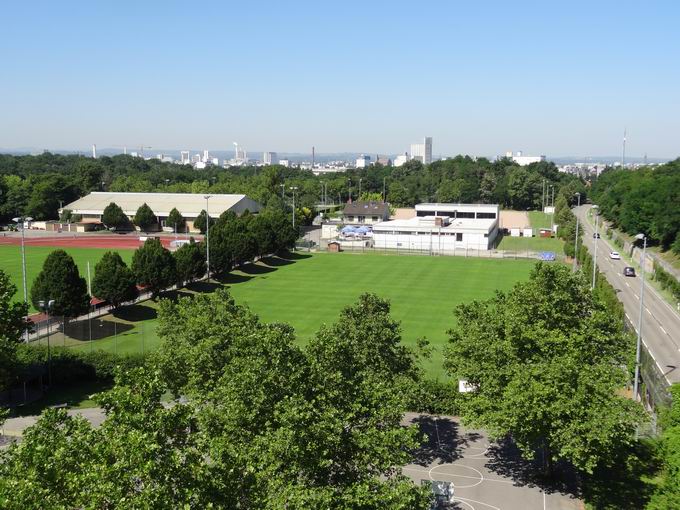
232	244
59	280
145	217
176	221
114	217
667	494
143	455
546	363
190	262
113	281
154	266
200	223
12	326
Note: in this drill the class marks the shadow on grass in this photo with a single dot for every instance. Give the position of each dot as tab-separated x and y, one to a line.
293	255
135	313
174	295
96	329
203	287
232	279
256	269
71	394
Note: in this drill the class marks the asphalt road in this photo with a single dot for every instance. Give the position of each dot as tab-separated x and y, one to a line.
660	321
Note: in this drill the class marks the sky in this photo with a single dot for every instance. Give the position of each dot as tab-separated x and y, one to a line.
481	78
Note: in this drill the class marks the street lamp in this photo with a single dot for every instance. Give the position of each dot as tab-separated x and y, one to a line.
639	329
360	179
578	197
597	224
23	221
283	188
294	189
349	189
384	197
46	306
207	232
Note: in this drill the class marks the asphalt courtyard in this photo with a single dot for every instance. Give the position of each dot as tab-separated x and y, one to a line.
485	475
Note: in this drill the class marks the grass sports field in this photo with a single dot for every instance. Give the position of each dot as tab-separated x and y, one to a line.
10	262
307	291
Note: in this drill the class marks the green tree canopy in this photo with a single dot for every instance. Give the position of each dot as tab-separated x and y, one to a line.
190	262
114	217
154	266
200	224
145	217
546	363
113	281
12	326
59	280
176	221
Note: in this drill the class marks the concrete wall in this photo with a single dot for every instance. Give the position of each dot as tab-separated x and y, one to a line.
434	242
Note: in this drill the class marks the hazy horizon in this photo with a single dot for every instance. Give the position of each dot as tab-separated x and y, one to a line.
560	80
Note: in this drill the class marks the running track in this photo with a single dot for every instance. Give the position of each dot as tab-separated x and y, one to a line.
66	240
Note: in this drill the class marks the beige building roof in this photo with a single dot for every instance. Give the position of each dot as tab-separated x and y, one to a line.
189	205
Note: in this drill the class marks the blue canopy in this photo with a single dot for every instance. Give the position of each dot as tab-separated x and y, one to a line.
362	230
348	229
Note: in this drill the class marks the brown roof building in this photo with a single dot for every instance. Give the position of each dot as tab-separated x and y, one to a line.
366	213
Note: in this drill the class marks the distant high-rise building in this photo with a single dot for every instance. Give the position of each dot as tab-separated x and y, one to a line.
184	157
363	161
206	156
422	151
270	158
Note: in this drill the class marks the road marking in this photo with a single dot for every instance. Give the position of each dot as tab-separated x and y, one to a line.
661	328
650	313
627	284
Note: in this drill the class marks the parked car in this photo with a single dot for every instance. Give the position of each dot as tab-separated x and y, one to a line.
628	271
615	255
596	235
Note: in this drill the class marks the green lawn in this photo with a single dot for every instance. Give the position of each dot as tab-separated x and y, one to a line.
311	290
540	219
10	262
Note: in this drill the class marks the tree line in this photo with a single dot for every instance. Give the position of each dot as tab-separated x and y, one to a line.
646	200
234	240
36	185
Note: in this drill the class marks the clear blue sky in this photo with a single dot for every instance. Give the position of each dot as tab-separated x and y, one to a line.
559	78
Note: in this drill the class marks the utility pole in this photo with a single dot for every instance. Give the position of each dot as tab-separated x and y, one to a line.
642	306
578	197
384	196
207	233
597	224
293	188
623	156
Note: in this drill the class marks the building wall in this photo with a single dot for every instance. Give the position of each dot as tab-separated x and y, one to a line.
434	242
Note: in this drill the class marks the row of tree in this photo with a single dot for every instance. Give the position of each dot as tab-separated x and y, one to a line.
35	185
646	200
233	241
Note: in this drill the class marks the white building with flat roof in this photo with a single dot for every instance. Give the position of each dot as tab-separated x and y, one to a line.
440	228
522	160
422	151
363	161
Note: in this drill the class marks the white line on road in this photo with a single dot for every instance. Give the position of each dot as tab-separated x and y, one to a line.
664	331
627	284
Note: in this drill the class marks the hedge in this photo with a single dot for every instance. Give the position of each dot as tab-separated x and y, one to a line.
70	366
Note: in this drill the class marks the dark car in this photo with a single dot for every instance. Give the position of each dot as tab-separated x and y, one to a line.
628	271
596	235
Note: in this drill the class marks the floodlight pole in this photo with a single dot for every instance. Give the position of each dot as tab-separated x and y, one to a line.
23	220
597	223
578	197
293	188
207	232
639	329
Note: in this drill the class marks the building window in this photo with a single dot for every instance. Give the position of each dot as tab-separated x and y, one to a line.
362	219
465	215
459	236
374	218
350	218
486	215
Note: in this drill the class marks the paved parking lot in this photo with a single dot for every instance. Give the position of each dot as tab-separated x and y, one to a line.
485	475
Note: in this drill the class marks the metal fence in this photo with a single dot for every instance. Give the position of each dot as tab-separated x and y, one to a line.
366	246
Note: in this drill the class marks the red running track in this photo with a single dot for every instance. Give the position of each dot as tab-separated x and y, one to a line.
115	242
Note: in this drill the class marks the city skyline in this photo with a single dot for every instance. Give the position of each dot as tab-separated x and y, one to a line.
480	80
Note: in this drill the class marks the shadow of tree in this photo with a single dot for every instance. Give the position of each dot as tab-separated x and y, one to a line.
275	262
232	279
442	440
135	313
256	269
505	459
203	287
293	255
98	329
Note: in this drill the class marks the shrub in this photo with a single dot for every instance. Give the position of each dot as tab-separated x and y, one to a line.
434	397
